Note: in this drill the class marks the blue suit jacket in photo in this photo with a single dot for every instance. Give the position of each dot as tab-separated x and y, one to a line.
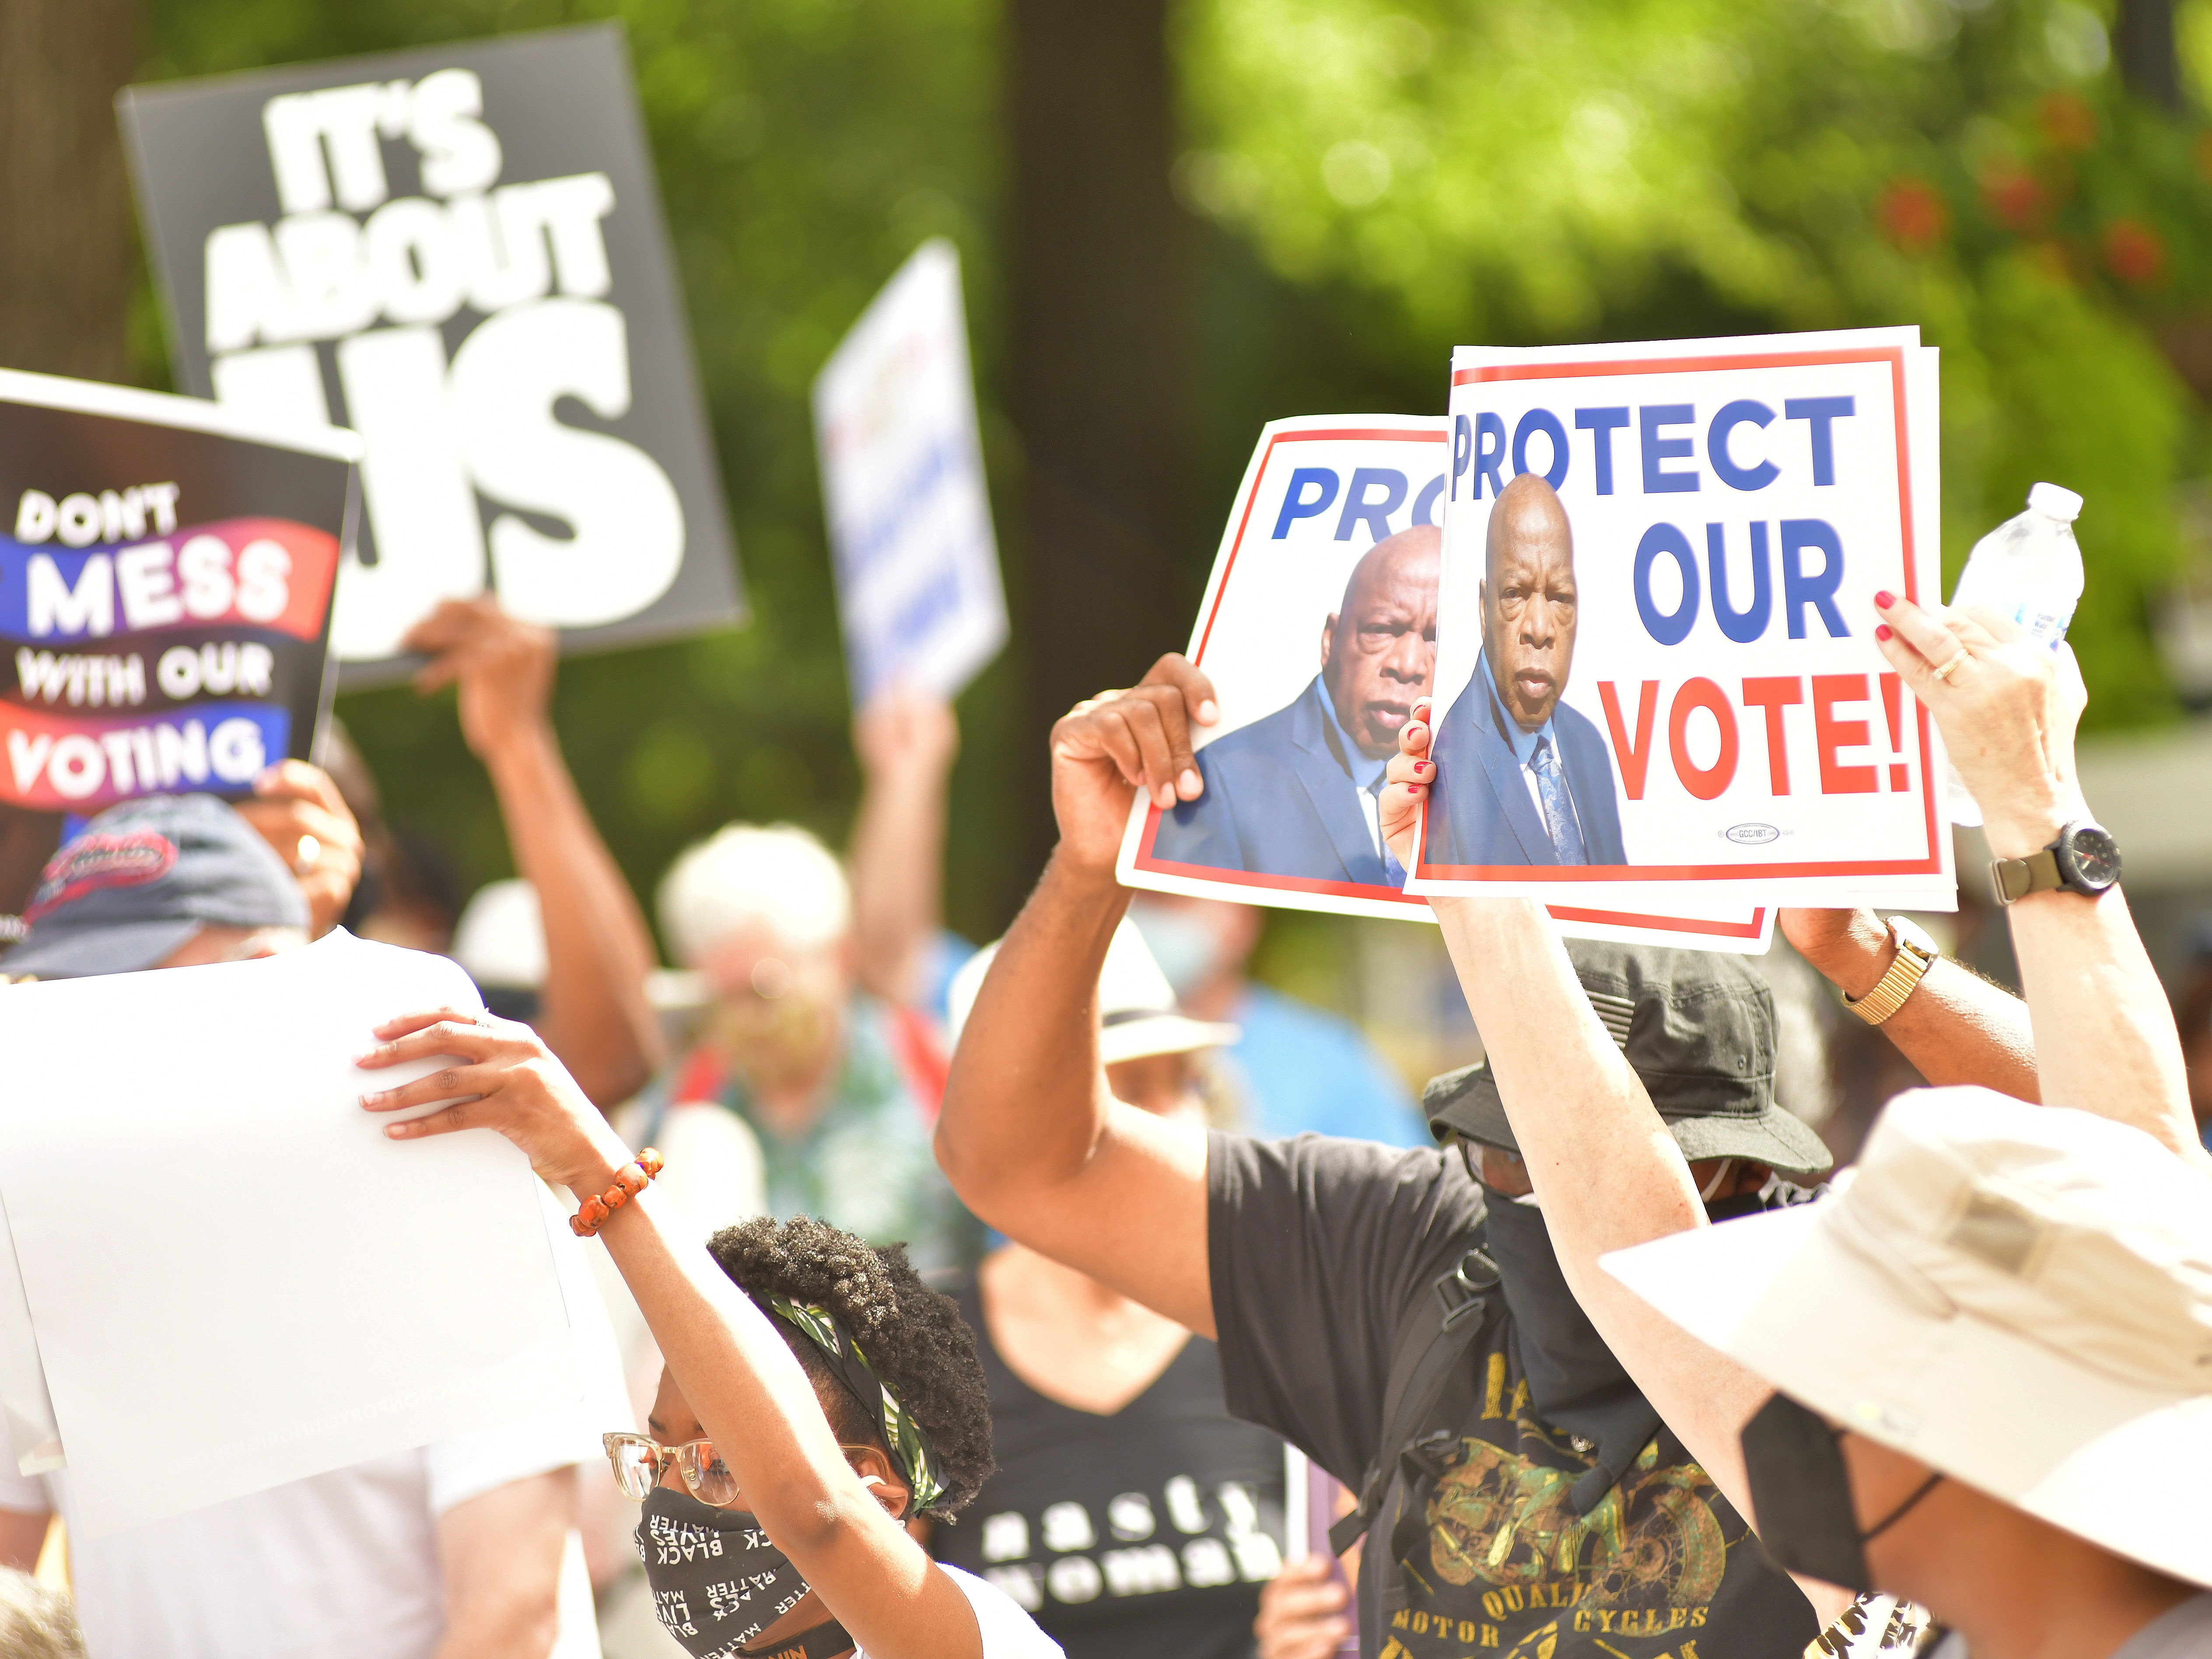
1277	801
1481	812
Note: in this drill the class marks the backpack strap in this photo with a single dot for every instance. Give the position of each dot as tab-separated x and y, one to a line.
1438	1329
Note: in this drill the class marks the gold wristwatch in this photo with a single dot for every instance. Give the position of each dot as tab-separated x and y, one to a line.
1916	954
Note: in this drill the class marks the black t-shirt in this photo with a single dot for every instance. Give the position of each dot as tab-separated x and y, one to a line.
1148	1532
1317	1246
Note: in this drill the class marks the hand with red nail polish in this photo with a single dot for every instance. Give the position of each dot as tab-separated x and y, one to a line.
2007	706
1884	599
1409	773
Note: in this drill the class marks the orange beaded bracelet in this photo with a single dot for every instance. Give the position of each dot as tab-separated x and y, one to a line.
629	1180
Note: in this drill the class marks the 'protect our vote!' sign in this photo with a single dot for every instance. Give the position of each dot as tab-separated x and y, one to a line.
918	586
1656	653
1319	632
458	252
166	572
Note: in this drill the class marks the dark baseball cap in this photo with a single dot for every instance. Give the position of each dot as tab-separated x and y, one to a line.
141	879
1699	1031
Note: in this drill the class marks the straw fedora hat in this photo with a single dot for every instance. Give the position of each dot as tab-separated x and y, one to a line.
1138	1014
2019	1297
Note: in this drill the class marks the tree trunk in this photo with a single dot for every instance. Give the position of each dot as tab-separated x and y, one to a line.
65	254
2143	39
1102	361
66	263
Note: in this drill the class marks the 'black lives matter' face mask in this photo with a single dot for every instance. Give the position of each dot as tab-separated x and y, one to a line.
717	1581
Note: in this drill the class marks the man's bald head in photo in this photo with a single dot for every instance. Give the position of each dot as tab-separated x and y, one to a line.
1528	599
1379	648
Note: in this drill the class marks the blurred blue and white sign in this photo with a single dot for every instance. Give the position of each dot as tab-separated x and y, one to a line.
903	481
459	252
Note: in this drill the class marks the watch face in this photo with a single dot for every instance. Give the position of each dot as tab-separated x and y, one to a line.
2091	857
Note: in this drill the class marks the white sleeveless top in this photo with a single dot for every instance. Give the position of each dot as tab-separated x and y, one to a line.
1008	1632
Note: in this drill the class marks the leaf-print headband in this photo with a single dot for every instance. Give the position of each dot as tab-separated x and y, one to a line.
909	1444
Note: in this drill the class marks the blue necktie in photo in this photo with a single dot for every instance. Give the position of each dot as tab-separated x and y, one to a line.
1559	806
1392	869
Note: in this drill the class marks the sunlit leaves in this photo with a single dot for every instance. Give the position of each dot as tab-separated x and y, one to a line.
1538	168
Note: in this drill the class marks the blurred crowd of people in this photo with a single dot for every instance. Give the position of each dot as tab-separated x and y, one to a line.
1035	1257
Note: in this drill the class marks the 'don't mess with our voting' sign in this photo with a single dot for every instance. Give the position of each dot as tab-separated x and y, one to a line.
918	587
1318	631
458	253
1656	652
166	574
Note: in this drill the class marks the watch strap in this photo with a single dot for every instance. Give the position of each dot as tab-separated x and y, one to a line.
2015	878
1891	990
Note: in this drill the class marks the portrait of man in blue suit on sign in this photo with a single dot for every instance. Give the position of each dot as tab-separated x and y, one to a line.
1293	793
1521	777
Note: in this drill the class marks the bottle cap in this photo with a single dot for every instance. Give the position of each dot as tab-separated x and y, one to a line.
2055	501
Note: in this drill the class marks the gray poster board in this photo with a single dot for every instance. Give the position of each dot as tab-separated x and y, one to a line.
459	252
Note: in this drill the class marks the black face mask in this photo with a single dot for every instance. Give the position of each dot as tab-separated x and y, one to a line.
718	1582
1802	1494
1574	1384
1728	1209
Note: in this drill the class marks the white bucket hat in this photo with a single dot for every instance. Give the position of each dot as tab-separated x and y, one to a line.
1137	1009
2019	1297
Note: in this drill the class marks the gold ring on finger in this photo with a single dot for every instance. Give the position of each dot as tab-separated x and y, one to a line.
1951	667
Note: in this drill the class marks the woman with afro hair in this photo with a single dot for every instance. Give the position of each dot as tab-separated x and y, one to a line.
818	1395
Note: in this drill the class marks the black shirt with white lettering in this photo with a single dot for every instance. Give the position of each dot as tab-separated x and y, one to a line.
1147	1532
1317	1246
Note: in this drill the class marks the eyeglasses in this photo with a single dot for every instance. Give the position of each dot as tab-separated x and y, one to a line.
639	1463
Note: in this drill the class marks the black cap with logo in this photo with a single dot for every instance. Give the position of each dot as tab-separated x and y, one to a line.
141	879
1697	1028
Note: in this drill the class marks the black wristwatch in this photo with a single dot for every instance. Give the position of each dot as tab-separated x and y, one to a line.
2085	859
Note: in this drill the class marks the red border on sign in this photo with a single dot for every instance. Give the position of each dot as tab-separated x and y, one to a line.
1931	864
1351	890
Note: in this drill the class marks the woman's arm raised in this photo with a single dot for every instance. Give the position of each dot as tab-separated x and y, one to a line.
751	1395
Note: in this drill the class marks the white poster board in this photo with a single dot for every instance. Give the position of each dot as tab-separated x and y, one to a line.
903	482
234	1279
1319	630
1677	685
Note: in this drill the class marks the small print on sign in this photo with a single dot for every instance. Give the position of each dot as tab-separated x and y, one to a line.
1655	650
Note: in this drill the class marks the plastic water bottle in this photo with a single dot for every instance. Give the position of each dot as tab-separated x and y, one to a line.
2028	570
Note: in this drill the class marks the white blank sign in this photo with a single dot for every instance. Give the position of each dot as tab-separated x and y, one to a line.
234	1279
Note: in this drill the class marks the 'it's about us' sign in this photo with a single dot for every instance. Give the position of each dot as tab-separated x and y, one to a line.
459	252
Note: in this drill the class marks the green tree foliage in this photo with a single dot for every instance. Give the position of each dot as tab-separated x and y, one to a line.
1535	170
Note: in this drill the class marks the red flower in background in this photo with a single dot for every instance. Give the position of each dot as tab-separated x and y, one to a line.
2016	197
2134	252
2068	121
1912	213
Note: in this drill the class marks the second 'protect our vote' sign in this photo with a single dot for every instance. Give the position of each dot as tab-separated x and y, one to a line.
458	253
1656	652
1318	632
165	571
